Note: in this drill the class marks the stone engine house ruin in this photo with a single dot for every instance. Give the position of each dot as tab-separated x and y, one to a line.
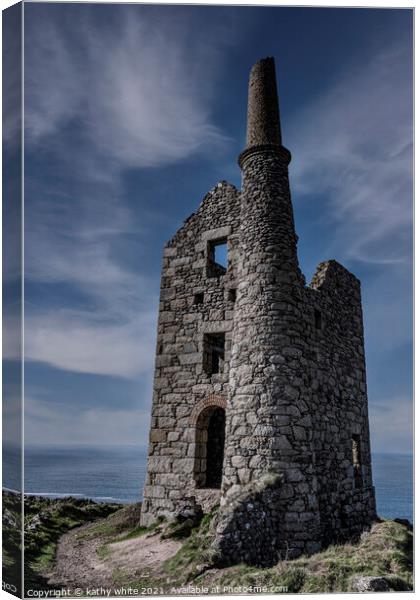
260	401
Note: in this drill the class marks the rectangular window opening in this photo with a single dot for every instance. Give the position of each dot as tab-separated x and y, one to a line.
213	353
199	298
357	460
217	255
318	319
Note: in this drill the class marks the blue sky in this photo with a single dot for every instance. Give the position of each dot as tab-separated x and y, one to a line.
132	114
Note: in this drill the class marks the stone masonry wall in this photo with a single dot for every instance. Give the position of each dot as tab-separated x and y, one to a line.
310	497
181	383
338	391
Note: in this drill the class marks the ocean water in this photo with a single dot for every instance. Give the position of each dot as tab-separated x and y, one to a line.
116	473
393	481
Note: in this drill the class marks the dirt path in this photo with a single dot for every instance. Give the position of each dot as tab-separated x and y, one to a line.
79	565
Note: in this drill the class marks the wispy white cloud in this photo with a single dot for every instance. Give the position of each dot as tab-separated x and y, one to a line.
12	333
392	425
104	322
353	145
12	84
113	330
136	89
87	343
103	100
55	424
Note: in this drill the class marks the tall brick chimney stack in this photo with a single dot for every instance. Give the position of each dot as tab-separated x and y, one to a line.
259	439
264	164
263	108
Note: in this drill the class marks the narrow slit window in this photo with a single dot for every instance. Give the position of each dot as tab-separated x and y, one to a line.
213	353
199	298
357	460
318	319
232	295
160	348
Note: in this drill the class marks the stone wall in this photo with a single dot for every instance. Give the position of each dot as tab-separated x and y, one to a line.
338	391
181	384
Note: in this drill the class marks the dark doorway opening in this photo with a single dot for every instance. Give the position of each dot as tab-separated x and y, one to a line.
210	444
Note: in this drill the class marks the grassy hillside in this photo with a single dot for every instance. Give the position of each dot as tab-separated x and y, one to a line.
386	552
44	523
181	555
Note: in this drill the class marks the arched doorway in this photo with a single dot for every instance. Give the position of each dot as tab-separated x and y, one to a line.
210	444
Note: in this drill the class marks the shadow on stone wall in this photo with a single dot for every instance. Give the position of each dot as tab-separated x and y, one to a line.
253	526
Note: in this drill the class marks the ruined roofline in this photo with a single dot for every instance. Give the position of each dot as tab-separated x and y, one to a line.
208	197
330	271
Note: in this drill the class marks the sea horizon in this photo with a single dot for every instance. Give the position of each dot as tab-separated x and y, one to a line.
116	473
